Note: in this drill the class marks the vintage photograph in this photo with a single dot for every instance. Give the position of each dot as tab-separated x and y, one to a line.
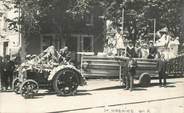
91	56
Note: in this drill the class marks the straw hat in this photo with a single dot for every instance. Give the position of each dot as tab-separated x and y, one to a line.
164	30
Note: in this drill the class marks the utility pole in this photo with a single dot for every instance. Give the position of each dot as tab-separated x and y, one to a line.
123	14
154	29
154	35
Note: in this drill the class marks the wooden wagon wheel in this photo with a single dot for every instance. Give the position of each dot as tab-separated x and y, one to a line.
29	88
66	82
145	80
16	85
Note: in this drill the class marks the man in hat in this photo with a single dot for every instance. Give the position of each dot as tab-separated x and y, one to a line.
164	37
130	50
132	64
152	50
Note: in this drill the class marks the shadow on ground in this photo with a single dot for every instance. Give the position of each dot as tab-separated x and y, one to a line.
169	84
118	87
79	93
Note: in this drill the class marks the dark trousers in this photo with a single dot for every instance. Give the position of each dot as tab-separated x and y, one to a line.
129	81
1	74
162	75
7	79
151	56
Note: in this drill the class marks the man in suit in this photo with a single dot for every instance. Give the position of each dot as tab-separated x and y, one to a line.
8	69
132	64
130	50
162	70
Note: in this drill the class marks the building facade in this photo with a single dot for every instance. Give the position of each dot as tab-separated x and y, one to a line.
10	40
85	34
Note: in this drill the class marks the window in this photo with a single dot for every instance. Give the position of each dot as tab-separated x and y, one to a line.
87	44
89	20
81	43
71	43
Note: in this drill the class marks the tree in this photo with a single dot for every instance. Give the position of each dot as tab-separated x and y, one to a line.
139	12
35	13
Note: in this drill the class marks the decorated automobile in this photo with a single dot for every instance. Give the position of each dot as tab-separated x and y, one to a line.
47	71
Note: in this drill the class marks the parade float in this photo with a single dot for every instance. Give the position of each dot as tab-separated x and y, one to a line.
46	72
108	64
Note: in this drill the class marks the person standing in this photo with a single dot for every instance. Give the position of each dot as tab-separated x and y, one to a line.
132	64
119	42
173	47
162	70
164	38
1	72
8	69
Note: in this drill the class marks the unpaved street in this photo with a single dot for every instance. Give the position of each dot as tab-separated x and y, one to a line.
103	96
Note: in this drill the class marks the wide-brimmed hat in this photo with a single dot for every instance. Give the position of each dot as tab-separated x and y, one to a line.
164	30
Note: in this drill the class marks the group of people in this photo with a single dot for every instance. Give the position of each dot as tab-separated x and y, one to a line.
8	66
118	46
6	73
150	52
166	44
144	49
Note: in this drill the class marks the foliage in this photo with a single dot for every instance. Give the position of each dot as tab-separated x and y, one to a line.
35	14
139	15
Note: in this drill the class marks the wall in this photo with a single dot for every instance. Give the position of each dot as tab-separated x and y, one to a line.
12	37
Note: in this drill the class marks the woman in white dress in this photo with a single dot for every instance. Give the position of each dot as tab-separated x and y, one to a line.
119	43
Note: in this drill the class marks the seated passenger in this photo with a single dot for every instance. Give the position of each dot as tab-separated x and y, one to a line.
111	50
138	50
152	51
130	50
144	51
65	54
